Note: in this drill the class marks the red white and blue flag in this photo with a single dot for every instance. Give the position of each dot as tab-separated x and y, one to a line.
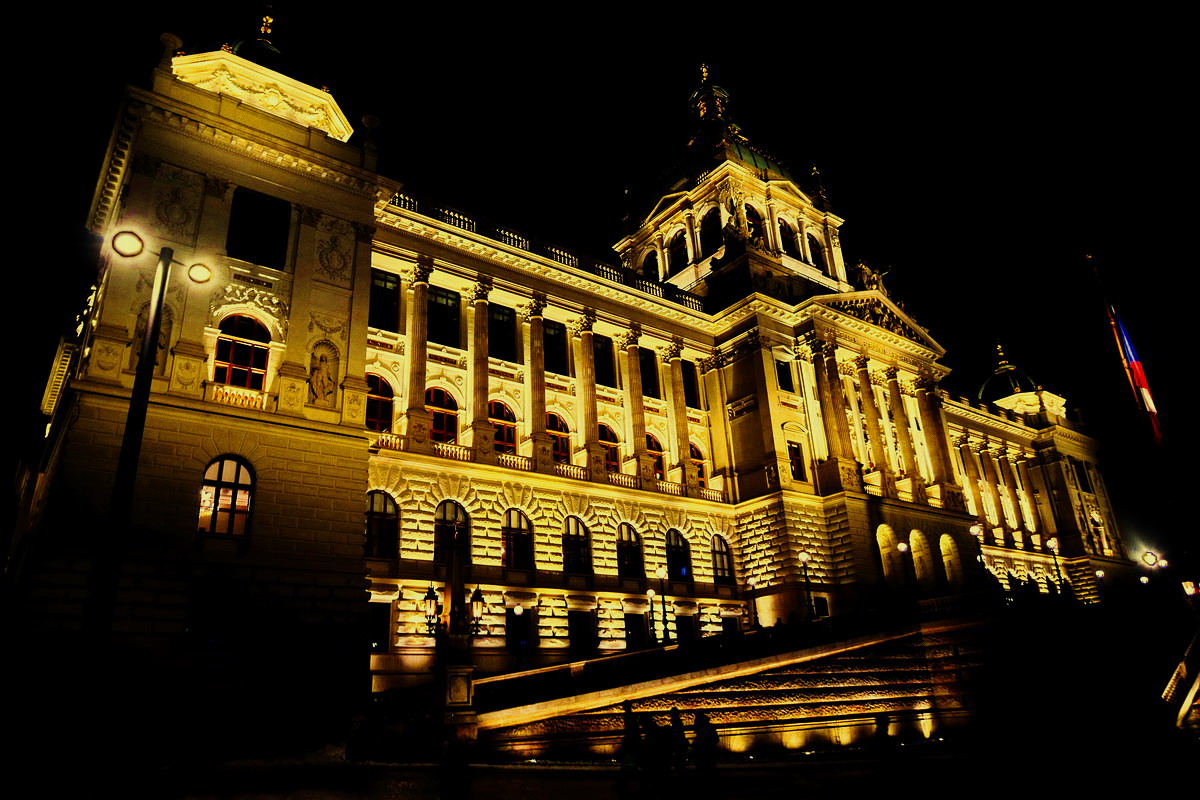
1135	372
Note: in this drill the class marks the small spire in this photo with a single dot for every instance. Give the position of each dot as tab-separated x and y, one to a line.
819	189
704	73
267	19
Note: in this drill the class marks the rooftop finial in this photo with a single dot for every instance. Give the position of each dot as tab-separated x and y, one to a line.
704	73
265	28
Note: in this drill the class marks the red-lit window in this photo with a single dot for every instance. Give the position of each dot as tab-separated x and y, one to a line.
655	450
379	404
560	438
698	461
242	352
444	424
612	448
504	423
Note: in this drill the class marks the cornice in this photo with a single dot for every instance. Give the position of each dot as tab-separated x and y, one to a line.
531	264
1012	430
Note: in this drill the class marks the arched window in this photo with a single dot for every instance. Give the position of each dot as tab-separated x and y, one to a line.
679	557
951	561
755	224
677	255
383	526
817	253
612	448
788	240
922	560
379	404
560	438
444	424
698	462
654	450
710	233
504	423
518	540
451	532
650	265
629	553
722	558
890	557
242	352
576	547
225	496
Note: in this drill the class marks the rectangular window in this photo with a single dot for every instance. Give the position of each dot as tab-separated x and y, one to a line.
637	634
581	631
502	333
557	344
691	384
606	370
445	317
783	370
648	365
384	312
796	460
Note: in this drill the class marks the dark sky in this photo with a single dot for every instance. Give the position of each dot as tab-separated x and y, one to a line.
978	155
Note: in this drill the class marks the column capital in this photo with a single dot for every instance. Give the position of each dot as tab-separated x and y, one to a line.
926	383
630	337
584	322
423	269
535	306
862	361
673	350
892	373
480	289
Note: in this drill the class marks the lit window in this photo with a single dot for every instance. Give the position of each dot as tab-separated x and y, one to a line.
225	497
722	562
242	352
444	423
504	422
560	438
383	525
612	448
379	404
576	546
796	460
677	253
518	540
451	533
698	461
679	557
655	450
629	553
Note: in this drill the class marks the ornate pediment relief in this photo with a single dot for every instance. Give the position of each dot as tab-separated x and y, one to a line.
264	89
874	308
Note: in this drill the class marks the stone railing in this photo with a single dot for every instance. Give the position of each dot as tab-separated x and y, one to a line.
455	452
390	441
511	461
571	471
623	480
715	495
668	487
237	396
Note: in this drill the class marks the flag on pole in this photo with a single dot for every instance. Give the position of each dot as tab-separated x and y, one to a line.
1135	372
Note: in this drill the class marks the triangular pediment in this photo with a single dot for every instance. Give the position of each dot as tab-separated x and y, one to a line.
224	73
876	308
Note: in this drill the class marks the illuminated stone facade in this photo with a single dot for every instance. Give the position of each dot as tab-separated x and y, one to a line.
729	401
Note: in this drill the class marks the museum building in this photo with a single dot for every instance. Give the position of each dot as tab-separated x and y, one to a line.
382	415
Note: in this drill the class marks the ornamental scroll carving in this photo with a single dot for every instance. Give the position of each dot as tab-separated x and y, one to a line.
267	302
335	250
178	194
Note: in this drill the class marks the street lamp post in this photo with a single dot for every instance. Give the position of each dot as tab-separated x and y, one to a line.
1052	544
810	613
650	599
752	583
661	574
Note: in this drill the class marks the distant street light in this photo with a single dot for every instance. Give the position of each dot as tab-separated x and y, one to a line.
661	574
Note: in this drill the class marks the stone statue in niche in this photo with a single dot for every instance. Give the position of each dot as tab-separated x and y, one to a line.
322	375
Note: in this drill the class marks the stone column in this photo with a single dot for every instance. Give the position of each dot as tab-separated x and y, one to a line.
991	484
874	426
937	444
663	266
291	385
1027	481
689	220
637	404
839	471
772	224
354	385
483	435
908	453
417	418
673	354
535	383
1010	488
971	470
587	397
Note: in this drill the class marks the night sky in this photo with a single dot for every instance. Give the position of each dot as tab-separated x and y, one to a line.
977	156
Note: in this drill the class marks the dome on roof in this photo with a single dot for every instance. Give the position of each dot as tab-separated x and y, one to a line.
1007	380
